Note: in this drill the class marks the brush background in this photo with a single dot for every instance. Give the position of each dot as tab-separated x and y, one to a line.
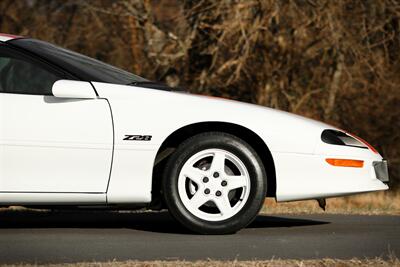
334	61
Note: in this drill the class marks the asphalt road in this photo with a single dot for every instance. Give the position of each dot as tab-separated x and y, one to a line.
102	236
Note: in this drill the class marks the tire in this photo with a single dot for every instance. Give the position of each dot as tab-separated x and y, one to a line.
214	183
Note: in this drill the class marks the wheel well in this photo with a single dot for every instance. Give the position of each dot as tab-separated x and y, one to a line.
243	133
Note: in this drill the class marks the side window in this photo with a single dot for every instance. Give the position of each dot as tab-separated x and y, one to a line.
23	76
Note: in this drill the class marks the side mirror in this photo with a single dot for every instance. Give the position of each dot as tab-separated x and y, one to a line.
73	89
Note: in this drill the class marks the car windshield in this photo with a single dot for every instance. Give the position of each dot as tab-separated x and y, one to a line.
81	66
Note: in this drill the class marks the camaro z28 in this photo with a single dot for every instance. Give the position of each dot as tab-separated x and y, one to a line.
76	132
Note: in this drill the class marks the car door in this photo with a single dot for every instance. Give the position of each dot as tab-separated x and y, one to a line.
49	144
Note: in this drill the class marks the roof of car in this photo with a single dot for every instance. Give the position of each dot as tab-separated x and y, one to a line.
6	37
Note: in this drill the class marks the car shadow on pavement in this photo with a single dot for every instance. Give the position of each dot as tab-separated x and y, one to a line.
277	221
159	222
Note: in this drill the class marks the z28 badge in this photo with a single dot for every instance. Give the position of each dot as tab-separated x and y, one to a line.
129	137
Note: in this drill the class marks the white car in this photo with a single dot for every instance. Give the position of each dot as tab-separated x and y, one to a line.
76	132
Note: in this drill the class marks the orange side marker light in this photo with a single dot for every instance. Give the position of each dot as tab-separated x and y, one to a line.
346	163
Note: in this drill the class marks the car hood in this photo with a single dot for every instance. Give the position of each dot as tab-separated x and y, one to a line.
167	111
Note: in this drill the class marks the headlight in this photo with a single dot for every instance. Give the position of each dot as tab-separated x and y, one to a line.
340	138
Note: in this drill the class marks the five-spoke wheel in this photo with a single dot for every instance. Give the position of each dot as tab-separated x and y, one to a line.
214	183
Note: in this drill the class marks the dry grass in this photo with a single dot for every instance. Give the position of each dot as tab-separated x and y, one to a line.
380	203
393	261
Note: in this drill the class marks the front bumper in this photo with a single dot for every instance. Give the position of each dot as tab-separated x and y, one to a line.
381	170
302	176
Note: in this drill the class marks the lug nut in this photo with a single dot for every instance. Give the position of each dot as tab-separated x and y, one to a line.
205	180
224	183
216	174
218	193
207	191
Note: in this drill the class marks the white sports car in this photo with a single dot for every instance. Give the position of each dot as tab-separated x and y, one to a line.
76	132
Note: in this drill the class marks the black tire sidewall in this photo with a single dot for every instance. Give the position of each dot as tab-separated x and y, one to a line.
233	145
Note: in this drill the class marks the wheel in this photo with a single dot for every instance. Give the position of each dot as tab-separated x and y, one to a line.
214	183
